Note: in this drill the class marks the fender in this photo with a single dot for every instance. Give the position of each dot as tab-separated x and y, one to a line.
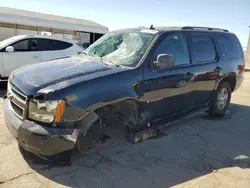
224	77
104	96
92	94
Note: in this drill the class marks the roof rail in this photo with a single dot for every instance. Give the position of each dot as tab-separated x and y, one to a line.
207	28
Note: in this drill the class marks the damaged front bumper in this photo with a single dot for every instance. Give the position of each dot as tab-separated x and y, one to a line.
50	143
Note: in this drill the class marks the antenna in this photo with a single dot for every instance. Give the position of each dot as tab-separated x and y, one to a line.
152	27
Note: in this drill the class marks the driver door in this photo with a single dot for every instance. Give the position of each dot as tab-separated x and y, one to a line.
168	90
25	53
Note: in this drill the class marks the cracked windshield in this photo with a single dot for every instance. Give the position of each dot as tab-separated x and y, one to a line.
121	48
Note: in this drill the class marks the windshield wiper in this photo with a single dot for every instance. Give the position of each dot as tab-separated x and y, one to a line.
96	56
82	52
89	54
117	65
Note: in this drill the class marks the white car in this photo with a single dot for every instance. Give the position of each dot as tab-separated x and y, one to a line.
22	50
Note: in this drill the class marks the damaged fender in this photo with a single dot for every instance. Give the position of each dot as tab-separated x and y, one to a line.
87	122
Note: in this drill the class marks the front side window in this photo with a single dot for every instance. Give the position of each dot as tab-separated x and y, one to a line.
203	49
122	48
7	42
175	46
21	46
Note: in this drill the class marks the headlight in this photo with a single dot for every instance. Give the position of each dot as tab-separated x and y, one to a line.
46	111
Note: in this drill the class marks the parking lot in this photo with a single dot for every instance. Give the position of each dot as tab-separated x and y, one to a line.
198	151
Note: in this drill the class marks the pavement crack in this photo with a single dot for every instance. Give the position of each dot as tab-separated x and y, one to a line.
65	173
204	166
106	159
21	175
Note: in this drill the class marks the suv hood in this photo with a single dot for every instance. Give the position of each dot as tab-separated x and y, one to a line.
32	78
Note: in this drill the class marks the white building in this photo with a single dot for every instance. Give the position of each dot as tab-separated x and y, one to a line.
16	22
247	53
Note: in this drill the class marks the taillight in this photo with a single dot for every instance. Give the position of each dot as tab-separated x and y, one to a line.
241	69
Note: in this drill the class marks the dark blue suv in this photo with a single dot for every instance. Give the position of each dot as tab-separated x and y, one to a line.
138	77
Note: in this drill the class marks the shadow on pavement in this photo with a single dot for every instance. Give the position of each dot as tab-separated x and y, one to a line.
191	148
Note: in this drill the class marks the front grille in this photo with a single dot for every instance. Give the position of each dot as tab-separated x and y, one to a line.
18	110
22	97
18	101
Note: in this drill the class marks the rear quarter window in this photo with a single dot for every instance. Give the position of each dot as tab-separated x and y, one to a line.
230	46
51	45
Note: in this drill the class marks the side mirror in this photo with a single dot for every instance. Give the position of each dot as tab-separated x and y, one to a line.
9	49
164	61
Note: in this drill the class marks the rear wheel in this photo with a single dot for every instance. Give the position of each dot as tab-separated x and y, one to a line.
221	100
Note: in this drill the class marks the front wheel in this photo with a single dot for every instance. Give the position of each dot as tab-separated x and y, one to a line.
221	100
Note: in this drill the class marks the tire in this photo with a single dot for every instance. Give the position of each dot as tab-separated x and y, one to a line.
221	100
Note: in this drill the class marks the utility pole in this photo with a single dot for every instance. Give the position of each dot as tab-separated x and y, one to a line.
247	58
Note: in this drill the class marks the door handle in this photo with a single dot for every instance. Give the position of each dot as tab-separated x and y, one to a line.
218	69
188	74
190	77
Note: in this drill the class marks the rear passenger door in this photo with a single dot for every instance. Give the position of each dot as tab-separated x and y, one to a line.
205	58
51	49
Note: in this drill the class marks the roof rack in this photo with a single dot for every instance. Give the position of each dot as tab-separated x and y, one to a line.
168	28
205	28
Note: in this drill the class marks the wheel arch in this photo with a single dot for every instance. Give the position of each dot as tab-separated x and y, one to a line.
230	79
125	112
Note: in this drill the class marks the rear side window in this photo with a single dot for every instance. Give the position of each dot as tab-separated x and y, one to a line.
51	45
203	48
230	46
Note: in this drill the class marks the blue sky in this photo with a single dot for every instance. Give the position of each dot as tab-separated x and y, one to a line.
230	14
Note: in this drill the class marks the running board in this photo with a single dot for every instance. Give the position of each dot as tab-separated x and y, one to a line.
154	130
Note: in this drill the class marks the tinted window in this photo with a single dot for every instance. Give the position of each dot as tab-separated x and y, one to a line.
203	48
21	46
50	45
176	46
33	44
230	46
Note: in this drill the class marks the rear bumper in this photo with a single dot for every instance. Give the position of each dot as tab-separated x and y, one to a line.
239	80
46	142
